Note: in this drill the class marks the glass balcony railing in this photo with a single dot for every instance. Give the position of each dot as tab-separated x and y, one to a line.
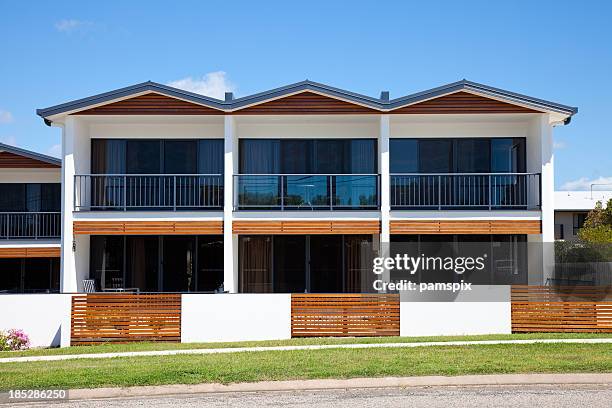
445	191
298	192
148	192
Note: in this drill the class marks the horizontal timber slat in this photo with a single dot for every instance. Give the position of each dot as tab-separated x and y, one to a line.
318	315
465	226
147	227
116	317
30	252
306	227
586	309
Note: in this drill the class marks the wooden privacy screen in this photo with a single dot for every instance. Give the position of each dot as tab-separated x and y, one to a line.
148	227
30	252
465	226
125	317
306	227
566	309
343	315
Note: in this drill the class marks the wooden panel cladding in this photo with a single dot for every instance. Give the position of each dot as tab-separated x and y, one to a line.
30	252
306	227
151	104
148	227
305	103
125	317
465	227
570	309
9	160
462	102
344	315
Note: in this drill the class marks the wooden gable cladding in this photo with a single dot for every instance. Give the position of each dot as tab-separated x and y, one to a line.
151	104
30	252
148	227
465	227
305	103
462	102
12	160
306	227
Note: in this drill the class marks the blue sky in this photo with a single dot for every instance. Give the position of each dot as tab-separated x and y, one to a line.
57	51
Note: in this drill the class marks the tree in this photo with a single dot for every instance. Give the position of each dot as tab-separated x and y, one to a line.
597	228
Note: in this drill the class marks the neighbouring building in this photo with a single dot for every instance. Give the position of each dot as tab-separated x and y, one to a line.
30	221
572	208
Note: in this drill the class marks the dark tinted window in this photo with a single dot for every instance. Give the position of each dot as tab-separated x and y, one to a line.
12	197
508	155
296	156
259	156
180	156
143	157
108	156
472	156
210	156
435	156
404	155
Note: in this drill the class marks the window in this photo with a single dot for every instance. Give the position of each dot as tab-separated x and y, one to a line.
559	231
115	156
308	156
30	197
465	155
579	219
29	275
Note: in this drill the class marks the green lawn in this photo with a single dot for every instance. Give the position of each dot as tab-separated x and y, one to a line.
112	348
308	364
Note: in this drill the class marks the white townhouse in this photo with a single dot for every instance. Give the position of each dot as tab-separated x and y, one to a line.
170	191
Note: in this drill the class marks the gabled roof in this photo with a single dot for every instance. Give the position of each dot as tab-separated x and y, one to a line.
30	154
382	105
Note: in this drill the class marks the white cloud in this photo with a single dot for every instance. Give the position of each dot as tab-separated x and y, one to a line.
584	183
55	150
213	84
559	145
70	25
9	140
5	116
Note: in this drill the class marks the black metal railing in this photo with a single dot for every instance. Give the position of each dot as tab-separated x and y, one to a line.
465	191
30	225
295	192
148	191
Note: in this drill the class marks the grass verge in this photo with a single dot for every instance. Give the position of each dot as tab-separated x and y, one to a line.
115	348
308	364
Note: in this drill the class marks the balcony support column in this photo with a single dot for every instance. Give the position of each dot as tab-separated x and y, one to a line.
385	178
547	196
68	279
230	244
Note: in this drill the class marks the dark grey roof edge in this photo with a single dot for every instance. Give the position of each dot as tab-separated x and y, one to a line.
374	103
130	90
32	155
484	89
310	86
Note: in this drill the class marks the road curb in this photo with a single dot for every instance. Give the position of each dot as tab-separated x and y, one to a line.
384	382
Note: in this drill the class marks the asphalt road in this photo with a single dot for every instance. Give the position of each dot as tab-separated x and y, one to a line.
542	396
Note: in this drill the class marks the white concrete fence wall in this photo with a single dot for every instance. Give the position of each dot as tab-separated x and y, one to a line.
249	317
45	318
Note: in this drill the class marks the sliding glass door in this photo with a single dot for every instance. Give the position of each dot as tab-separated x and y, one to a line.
305	263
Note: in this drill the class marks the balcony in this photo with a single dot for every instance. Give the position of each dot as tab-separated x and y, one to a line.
162	192
472	191
30	225
306	192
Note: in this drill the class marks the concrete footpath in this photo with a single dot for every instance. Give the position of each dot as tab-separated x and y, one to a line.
289	348
384	382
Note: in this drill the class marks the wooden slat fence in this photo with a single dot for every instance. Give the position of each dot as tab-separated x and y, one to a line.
586	309
125	317
344	315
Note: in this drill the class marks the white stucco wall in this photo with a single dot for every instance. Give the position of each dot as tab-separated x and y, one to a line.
235	317
45	318
45	175
483	310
